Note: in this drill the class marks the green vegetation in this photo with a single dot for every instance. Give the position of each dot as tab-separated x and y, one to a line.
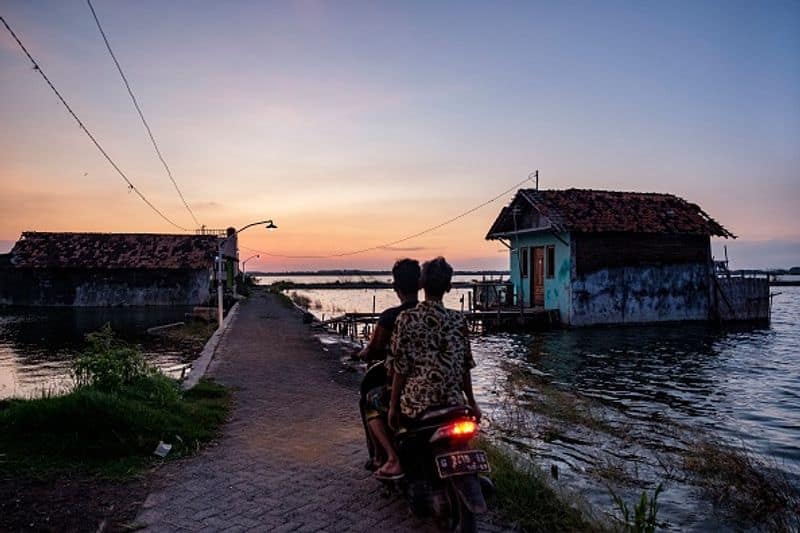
301	300
108	363
112	421
525	496
758	493
644	515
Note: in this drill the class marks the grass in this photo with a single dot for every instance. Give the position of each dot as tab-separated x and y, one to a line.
112	433
757	492
301	300
525	496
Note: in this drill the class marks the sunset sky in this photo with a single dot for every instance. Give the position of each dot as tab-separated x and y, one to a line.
352	124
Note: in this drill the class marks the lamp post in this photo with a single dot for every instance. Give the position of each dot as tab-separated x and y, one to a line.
244	263
270	226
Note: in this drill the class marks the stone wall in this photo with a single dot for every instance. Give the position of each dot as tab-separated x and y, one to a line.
640	294
103	288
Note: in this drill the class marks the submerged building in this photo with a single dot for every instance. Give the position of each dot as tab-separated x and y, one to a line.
107	269
607	257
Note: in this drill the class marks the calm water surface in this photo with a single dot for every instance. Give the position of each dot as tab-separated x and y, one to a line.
37	345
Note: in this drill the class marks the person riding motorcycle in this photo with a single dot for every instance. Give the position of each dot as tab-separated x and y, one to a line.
374	397
429	361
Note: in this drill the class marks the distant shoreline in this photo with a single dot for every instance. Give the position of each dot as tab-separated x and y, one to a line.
370	273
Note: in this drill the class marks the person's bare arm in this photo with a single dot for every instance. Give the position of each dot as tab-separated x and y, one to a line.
467	387
380	338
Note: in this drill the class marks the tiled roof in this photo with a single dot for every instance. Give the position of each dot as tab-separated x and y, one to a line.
113	250
592	211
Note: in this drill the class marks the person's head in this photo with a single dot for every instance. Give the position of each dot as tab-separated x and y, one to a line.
405	277
435	277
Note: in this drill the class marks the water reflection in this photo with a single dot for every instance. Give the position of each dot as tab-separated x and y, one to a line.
37	345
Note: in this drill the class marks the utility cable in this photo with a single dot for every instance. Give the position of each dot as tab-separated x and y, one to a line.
141	115
398	241
131	186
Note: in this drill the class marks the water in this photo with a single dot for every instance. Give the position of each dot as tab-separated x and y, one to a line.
387	278
623	406
37	345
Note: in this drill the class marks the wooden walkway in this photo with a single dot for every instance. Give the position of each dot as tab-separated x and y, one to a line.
489	320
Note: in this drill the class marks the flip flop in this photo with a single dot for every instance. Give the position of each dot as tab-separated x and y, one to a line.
388	477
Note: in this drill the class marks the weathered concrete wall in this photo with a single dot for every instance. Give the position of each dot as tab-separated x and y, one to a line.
102	288
631	295
742	299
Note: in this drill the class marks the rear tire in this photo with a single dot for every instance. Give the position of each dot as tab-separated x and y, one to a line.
462	520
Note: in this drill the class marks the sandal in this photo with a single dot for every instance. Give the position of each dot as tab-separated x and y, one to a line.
382	475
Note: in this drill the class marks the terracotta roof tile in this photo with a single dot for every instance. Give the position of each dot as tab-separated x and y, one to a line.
113	250
593	211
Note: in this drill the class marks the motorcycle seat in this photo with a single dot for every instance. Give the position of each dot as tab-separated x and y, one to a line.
444	413
434	416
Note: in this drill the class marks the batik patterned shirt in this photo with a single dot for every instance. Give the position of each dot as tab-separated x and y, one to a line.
430	348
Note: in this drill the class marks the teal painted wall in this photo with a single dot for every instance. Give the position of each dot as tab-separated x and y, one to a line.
556	289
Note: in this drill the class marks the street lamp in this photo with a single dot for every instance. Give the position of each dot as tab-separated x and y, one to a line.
269	225
244	263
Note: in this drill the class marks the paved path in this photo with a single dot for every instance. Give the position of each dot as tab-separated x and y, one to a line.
291	457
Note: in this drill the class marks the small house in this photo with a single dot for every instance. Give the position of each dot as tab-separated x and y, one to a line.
107	269
607	257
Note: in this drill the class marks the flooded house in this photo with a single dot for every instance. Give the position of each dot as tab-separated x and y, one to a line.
107	269
608	257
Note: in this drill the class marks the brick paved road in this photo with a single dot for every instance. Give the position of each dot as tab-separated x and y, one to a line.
291	458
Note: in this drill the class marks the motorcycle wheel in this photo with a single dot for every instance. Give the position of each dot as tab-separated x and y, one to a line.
462	520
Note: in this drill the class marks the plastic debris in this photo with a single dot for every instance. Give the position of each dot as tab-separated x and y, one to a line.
162	449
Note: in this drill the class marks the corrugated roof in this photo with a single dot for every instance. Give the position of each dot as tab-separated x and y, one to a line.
593	211
113	250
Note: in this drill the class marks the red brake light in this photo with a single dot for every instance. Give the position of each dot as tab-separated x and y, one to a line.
462	428
465	427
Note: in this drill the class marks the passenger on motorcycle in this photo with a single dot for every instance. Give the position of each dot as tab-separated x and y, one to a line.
430	358
374	403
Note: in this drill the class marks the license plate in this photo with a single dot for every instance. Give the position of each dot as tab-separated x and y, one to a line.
461	463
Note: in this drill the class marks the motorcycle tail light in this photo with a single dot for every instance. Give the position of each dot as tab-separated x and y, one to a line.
460	429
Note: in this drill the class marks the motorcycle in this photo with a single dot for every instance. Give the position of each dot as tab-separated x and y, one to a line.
443	474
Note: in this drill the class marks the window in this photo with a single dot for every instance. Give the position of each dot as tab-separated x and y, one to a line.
523	262
551	262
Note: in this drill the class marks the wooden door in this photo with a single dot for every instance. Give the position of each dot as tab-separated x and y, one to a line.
537	276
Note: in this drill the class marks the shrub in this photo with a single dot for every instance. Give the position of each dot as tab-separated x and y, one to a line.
108	363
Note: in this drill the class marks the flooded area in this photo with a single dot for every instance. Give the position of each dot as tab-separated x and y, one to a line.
625	409
37	345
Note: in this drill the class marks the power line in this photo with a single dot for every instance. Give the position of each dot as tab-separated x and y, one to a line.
131	186
139	110
398	241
